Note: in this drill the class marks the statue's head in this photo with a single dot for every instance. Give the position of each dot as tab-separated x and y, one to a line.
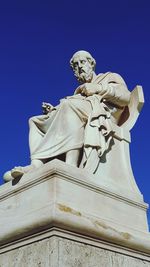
83	65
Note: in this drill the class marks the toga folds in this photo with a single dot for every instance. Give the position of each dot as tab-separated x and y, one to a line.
81	122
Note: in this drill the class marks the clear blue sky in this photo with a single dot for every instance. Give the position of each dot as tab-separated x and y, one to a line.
37	40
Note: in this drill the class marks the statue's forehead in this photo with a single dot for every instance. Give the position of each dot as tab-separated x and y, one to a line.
79	57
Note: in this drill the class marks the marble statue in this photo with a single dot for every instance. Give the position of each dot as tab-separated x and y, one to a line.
79	191
81	129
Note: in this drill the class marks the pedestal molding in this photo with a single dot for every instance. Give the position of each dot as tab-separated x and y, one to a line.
37	177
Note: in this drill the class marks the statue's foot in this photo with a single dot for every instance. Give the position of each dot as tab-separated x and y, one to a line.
20	171
7	176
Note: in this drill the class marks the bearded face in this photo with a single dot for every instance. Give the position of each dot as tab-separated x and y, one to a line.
83	69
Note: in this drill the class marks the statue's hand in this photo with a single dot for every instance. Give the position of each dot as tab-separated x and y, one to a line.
88	89
46	107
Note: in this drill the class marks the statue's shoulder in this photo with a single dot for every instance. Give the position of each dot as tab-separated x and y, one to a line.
110	77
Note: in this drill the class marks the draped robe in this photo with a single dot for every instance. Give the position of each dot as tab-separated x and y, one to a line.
81	122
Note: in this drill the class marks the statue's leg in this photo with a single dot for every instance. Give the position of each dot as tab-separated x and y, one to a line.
72	157
62	132
35	135
19	171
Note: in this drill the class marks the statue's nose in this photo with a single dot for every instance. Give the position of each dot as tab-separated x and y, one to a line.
80	64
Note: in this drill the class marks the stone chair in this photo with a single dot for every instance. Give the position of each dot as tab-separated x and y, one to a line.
115	169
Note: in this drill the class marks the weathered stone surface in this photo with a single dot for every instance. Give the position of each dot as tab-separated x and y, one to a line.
35	255
73	254
61	252
58	217
57	195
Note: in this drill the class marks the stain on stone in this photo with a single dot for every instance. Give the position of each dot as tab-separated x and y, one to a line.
101	224
97	223
126	235
68	209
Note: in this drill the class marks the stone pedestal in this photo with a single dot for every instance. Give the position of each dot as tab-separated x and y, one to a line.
59	216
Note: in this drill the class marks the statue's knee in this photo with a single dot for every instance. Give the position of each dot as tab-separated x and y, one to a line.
31	120
65	104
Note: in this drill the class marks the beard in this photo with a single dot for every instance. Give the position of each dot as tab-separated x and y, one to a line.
84	77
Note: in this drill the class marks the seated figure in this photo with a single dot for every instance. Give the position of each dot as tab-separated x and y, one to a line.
80	129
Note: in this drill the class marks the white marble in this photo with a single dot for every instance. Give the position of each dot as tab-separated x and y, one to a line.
85	211
84	129
59	195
